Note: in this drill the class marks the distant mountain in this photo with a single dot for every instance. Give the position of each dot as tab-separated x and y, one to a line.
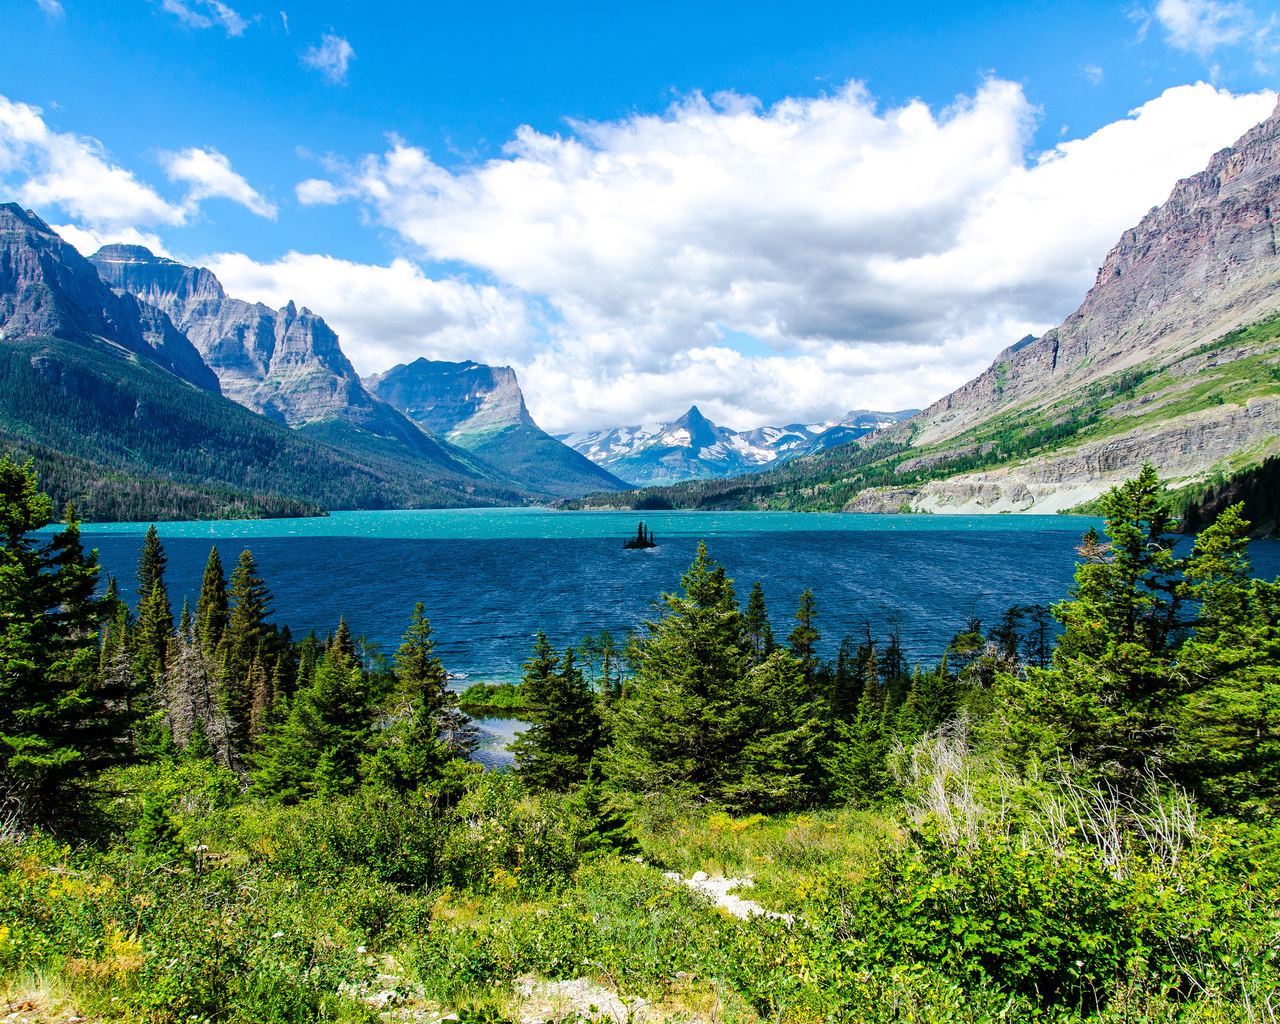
481	409
123	417
694	448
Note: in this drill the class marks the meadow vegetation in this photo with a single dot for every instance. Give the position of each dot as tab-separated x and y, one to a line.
1068	816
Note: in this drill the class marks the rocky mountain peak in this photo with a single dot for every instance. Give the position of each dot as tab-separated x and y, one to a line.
453	398
48	288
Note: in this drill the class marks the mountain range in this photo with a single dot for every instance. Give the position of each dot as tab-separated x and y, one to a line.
694	448
143	390
1173	357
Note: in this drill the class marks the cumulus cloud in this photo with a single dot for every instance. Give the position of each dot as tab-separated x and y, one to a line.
47	168
1201	26
44	168
89	240
189	12
330	58
210	176
53	8
391	314
884	256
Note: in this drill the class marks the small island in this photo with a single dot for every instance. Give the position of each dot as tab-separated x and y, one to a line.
642	539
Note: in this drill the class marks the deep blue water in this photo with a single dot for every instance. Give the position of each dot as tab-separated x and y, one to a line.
491	578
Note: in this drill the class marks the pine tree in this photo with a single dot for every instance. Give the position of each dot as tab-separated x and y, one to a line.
600	826
245	626
151	565
846	684
155	626
677	725
184	623
60	726
756	625
419	671
156	833
198	748
263	701
566	732
803	639
211	606
342	643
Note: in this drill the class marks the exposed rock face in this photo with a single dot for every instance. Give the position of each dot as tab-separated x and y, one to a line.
464	398
284	363
1203	263
694	448
48	288
481	408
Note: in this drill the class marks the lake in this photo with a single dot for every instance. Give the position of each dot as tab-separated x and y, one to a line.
491	578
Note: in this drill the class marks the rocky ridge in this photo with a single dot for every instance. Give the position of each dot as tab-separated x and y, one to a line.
48	288
482	409
1202	264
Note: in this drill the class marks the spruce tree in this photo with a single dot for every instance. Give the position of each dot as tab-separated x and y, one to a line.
566	732
157	834
678	723
249	599
600	825
419	672
802	642
151	565
756	625
60	725
212	606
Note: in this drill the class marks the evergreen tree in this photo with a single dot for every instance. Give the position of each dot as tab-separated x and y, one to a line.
249	599
931	702
184	623
211	606
600	825
857	766
263	701
803	639
155	626
60	726
1106	705
320	748
565	732
677	725
341	642
151	565
157	834
420	673
198	748
846	683
756	625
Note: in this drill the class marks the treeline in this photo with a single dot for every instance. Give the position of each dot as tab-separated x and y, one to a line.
1257	489
1163	664
103	495
90	414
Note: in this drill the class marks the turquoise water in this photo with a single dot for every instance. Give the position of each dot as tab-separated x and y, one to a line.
491	578
546	524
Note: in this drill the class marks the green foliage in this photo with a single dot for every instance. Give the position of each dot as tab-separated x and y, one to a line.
565	731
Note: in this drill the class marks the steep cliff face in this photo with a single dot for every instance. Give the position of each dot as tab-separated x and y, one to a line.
48	288
481	408
1203	264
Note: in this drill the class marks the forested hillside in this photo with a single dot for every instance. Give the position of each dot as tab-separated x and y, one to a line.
1066	815
123	435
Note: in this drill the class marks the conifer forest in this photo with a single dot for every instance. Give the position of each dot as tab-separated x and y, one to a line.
1067	814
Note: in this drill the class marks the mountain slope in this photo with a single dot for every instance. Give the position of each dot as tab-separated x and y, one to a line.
121	414
694	448
283	363
48	288
481	409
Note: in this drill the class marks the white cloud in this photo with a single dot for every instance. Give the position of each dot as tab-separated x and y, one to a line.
386	315
43	168
46	168
330	58
53	8
1092	73
1201	26
89	240
210	175
216	13
884	255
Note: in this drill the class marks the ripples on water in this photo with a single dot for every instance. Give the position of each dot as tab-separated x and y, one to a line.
490	579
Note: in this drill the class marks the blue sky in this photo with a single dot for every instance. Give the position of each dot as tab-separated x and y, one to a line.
430	230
